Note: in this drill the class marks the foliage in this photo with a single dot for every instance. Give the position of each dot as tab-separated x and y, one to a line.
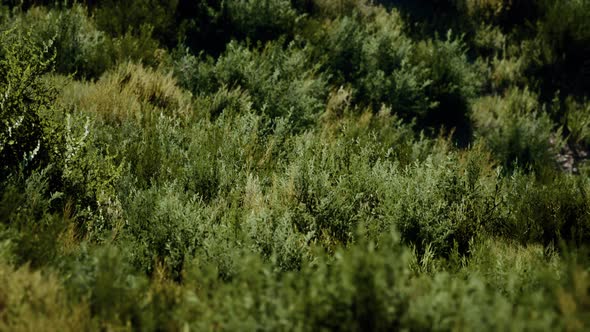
262	19
32	300
453	82
563	34
384	66
294	165
516	130
24	97
281	82
78	45
551	215
577	121
81	48
120	18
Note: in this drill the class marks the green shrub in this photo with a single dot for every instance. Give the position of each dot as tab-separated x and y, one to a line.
431	81
29	219
504	13
231	103
577	122
357	289
4	13
507	267
334	9
261	19
516	129
164	227
291	185
489	40
119	19
453	82
549	213
104	279
443	203
507	72
89	176
281	82
24	99
80	47
324	208
383	136
201	25
374	58
563	34
139	48
367	52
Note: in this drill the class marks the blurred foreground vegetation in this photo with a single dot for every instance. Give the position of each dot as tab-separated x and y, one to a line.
294	165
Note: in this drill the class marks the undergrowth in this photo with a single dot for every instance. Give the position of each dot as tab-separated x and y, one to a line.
294	165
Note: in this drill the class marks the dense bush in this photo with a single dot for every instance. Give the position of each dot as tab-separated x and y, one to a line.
119	18
516	129
281	82
80	47
505	13
262	19
25	99
384	66
373	56
128	92
563	35
577	122
33	300
551	214
293	165
452	83
204	25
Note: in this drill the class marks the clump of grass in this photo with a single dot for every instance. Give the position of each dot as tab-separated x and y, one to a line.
129	92
35	300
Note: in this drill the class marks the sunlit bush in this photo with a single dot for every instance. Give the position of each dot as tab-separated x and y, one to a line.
80	47
129	91
33	300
